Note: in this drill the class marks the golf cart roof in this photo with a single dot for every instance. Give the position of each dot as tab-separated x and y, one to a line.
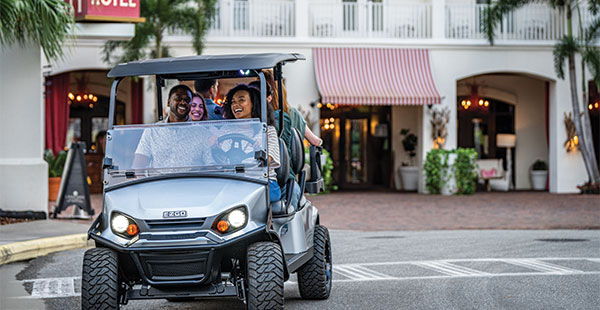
188	65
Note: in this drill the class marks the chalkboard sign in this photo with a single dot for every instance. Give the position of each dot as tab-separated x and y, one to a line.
74	190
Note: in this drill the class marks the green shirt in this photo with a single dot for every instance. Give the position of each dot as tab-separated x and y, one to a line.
297	120
286	135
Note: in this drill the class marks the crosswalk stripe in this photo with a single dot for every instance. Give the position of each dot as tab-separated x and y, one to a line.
368	272
53	288
440	268
541	266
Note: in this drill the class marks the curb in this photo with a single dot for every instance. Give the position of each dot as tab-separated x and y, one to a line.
25	250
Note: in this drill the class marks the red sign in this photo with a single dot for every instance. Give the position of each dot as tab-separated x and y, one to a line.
107	10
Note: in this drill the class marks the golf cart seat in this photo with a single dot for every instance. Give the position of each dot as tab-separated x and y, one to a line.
283	175
315	184
294	161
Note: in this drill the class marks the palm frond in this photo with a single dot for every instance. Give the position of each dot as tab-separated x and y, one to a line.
493	14
591	57
565	47
592	32
44	22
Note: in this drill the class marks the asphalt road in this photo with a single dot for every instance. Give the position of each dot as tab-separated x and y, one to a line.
386	270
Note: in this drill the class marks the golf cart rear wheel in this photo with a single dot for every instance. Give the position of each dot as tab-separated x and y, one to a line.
314	277
264	276
100	280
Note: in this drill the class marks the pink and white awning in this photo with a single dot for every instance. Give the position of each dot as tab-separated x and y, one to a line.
375	76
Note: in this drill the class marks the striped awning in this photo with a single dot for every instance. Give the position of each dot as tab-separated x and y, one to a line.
375	76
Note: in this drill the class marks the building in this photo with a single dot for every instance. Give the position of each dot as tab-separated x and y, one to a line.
402	60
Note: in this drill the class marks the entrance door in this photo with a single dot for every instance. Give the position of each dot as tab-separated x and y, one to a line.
356	150
358	140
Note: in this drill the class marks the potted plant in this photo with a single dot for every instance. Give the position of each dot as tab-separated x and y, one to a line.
409	173
56	165
539	175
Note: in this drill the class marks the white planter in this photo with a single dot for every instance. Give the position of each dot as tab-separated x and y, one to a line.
410	177
538	179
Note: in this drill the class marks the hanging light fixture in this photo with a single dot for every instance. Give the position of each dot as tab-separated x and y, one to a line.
83	97
475	101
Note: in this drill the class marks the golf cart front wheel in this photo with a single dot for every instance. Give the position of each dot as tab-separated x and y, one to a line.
100	280
264	276
315	276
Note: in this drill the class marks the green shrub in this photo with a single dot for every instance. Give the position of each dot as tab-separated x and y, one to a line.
55	164
438	173
435	169
465	171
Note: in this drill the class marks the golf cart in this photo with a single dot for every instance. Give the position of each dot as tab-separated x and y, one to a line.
194	221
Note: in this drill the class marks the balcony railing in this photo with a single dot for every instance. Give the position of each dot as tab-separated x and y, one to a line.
385	20
532	22
254	18
352	19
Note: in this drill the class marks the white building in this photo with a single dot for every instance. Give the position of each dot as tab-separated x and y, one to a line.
516	76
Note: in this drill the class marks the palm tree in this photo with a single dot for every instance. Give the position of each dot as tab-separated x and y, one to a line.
44	22
190	16
566	49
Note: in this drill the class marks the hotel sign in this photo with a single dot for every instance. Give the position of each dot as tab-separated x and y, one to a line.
107	10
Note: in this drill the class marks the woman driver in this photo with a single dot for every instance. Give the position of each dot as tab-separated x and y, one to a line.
243	102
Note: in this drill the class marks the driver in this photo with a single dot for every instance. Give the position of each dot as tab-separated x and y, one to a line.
173	147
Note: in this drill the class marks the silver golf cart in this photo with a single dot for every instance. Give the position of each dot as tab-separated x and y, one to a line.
193	219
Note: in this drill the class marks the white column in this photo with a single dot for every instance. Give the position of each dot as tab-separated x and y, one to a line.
24	173
362	12
438	19
301	18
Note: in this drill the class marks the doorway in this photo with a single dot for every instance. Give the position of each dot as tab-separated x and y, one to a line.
358	139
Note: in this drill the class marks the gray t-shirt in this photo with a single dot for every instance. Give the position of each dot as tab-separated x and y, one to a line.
173	147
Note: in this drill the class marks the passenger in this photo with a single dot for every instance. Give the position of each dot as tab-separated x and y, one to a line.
198	108
179	100
209	88
243	102
286	135
296	118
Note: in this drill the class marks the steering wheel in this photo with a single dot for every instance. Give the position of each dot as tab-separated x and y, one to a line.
237	152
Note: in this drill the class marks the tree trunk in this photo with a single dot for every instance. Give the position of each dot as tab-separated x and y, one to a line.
584	135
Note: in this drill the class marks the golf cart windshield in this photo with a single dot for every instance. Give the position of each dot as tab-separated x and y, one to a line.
229	146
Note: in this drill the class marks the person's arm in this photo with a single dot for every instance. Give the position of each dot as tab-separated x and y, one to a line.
311	137
141	158
273	143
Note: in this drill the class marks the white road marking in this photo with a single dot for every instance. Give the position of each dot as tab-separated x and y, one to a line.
449	269
65	287
53	288
541	266
358	272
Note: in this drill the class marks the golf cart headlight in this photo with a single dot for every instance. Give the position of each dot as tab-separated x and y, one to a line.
119	223
237	218
231	221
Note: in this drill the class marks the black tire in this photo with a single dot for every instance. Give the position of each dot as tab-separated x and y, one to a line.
315	276
100	280
264	276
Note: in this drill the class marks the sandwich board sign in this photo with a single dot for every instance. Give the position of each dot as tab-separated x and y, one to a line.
74	189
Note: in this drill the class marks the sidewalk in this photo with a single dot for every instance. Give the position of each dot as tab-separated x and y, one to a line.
403	211
365	211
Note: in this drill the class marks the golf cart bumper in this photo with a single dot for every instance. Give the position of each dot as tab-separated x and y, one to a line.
193	263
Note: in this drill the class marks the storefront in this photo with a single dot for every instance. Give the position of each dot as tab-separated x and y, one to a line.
368	95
